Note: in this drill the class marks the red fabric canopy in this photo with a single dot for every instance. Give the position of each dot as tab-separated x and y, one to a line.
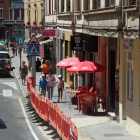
86	67
68	62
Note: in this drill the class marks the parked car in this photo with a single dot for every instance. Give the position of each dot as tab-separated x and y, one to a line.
5	63
2	48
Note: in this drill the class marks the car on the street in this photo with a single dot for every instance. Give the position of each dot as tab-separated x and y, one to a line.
2	48
5	63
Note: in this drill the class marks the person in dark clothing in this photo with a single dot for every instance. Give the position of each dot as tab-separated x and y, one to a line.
38	64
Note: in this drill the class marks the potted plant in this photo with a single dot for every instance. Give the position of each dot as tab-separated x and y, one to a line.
40	23
28	23
34	23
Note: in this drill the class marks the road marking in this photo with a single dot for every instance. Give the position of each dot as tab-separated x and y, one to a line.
27	121
10	84
7	93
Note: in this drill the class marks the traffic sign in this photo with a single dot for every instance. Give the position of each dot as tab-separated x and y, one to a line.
18	35
20	41
18	28
33	41
33	50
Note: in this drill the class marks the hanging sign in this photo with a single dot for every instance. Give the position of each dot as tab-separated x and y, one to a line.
128	45
76	43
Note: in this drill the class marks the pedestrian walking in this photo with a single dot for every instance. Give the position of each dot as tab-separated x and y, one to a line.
23	72
6	41
13	51
43	85
60	85
50	83
46	67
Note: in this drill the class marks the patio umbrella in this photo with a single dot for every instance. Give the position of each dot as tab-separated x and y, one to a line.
68	62
86	67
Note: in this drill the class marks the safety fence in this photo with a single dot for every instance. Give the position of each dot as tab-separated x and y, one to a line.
50	112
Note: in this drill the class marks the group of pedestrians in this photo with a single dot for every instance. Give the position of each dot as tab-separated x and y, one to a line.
48	82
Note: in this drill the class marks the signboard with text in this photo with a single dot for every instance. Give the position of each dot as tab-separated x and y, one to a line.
128	45
76	43
50	33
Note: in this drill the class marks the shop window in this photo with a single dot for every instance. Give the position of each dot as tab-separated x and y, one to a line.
130	70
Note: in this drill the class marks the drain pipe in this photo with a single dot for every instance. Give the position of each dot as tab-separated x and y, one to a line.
139	20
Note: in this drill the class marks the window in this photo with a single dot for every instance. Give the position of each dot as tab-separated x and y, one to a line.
10	14
97	4
16	14
111	3
78	5
50	7
1	13
22	14
62	5
29	14
69	6
1	0
130	70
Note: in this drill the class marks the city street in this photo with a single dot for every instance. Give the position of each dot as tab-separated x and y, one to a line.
14	123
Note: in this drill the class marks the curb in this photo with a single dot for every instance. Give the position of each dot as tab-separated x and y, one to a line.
23	93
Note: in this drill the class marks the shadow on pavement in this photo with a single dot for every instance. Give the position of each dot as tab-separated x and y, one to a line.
2	125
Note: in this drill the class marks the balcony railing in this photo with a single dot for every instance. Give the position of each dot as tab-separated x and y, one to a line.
97	4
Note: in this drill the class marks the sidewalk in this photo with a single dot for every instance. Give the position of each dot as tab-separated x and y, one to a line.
89	127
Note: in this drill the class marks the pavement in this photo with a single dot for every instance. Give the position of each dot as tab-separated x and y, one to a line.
97	127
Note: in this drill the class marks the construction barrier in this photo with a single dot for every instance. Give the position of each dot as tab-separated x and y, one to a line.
52	114
44	108
59	114
49	112
37	102
65	127
73	131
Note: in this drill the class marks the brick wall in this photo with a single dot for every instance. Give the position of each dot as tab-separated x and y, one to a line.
5	5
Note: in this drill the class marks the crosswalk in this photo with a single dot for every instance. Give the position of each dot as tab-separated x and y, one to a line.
7	93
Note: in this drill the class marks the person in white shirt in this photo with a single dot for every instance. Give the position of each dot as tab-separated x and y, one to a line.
51	83
60	85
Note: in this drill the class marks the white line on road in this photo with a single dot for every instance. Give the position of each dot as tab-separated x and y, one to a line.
7	93
10	84
27	120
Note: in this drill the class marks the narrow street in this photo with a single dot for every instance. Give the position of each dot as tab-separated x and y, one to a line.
13	125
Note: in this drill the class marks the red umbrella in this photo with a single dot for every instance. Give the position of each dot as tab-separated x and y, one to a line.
68	62
86	67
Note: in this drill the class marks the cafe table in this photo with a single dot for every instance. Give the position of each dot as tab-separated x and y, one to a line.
72	92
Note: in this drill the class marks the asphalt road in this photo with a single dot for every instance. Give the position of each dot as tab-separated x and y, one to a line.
13	125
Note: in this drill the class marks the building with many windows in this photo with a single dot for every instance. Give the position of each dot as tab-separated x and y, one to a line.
11	11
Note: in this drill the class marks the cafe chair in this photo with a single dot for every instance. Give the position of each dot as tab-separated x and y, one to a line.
88	101
79	97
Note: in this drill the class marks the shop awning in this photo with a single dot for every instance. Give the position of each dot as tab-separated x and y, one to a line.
46	41
37	36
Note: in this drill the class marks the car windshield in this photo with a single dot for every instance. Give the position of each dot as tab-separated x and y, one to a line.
4	55
2	49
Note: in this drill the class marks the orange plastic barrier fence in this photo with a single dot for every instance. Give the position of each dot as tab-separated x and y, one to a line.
44	108
32	80
52	114
73	131
33	97
49	111
65	127
59	121
37	102
28	86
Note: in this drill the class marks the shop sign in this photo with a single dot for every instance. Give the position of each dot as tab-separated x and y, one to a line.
49	33
60	34
127	45
76	43
35	29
